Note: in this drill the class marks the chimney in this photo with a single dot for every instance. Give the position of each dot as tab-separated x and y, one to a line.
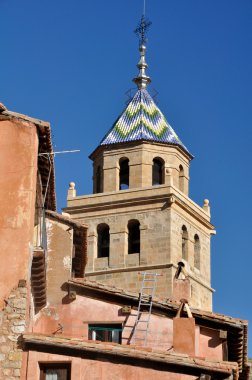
181	286
184	331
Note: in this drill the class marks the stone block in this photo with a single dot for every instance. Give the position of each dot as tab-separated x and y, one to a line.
18	329
12	364
13	338
5	348
7	372
16	372
19	303
15	355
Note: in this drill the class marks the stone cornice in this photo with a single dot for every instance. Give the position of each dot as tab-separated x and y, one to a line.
159	197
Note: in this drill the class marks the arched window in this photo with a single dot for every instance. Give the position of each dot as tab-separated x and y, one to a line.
184	235
133	236
181	178
103	240
157	172
124	174
98	180
196	251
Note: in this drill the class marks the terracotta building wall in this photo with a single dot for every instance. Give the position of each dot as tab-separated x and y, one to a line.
72	319
86	369
18	170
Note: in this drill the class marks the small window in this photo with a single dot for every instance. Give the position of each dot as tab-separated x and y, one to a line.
157	172
103	240
133	236
197	252
181	178
105	332
184	235
98	180
55	371
124	174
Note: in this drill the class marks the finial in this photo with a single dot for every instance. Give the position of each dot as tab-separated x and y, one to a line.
71	190
206	206
142	80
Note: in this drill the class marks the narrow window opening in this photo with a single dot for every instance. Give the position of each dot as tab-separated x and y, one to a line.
181	178
103	240
184	234
98	180
124	174
197	252
157	172
133	236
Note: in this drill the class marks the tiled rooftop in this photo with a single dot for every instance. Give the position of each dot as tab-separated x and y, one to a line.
142	120
162	302
131	351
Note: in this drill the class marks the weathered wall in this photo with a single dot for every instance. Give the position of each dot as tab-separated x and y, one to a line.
18	171
86	369
59	258
72	319
12	324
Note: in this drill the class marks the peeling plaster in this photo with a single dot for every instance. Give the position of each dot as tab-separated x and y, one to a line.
67	262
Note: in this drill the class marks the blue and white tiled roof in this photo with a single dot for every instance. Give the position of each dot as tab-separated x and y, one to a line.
142	120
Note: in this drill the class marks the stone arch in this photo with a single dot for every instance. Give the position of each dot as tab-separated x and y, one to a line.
181	178
184	242
133	236
157	171
123	173
197	251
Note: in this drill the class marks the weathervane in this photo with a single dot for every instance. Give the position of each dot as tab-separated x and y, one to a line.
142	80
142	29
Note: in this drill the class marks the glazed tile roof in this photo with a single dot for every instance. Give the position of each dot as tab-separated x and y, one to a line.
142	120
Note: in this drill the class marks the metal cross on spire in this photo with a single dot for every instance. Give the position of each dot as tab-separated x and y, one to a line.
142	29
142	80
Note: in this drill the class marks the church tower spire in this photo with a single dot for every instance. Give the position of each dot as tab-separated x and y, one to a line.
142	80
140	216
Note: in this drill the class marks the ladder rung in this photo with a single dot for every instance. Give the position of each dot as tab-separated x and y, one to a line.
147	320
147	287
140	330
145	304
135	338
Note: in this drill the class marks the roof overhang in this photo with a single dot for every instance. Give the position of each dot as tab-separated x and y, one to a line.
129	355
237	329
120	145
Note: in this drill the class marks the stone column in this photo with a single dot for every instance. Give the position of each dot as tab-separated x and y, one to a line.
92	251
111	178
118	247
144	244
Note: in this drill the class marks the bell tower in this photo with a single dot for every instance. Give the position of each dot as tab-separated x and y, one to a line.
140	216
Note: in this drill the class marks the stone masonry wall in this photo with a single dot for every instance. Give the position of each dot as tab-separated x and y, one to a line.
12	324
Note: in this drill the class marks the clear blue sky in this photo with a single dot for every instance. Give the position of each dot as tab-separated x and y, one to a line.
71	63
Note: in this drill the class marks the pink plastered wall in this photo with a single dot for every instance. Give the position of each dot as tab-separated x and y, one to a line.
72	320
86	369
